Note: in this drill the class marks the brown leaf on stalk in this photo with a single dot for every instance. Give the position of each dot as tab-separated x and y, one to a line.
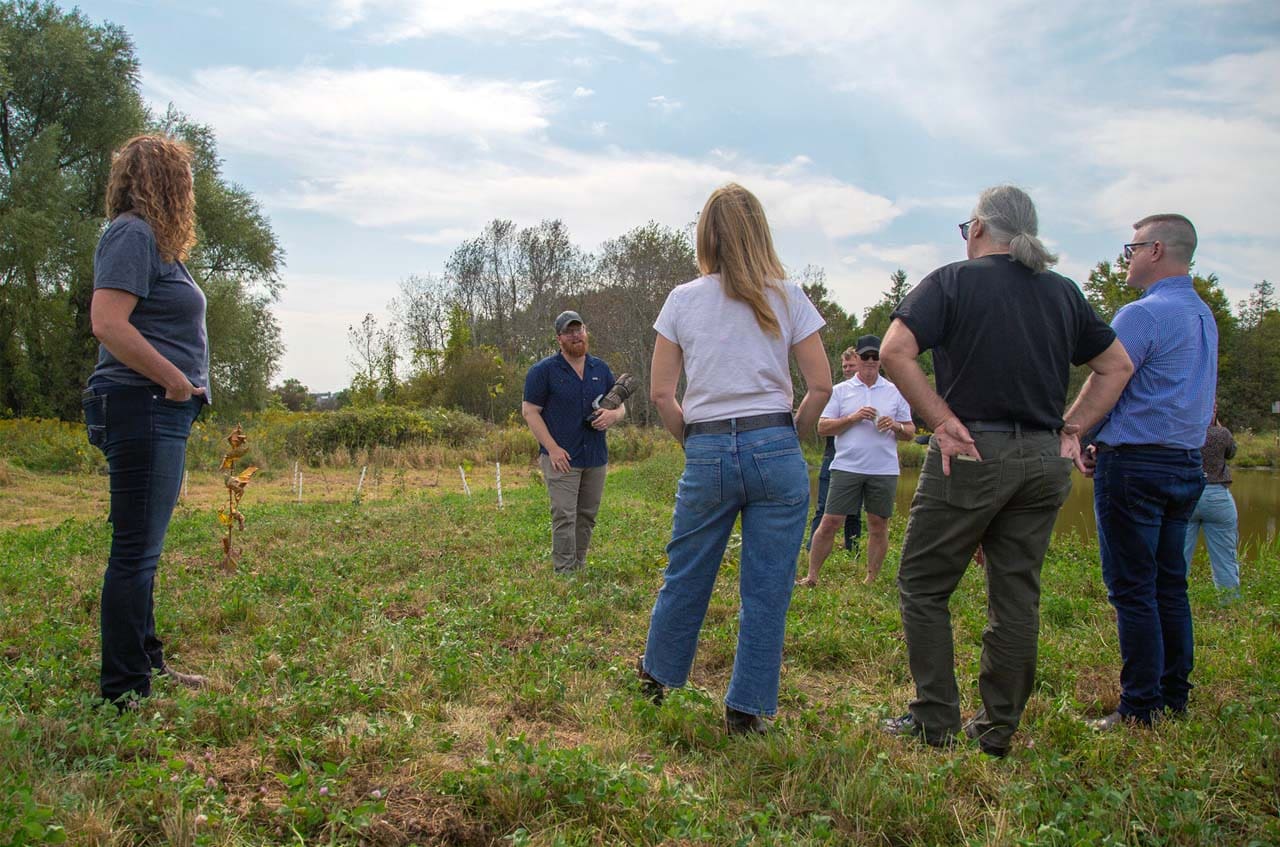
246	473
237	439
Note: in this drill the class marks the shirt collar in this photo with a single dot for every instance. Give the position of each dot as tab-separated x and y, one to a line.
879	380
1168	283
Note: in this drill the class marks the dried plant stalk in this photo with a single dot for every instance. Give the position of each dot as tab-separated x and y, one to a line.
231	517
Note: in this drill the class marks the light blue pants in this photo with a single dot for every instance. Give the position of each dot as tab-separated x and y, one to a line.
761	476
1216	514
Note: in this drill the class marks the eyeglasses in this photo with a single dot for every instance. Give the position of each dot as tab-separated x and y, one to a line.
869	357
964	228
1128	248
571	333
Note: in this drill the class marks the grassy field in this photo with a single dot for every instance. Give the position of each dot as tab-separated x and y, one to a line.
407	670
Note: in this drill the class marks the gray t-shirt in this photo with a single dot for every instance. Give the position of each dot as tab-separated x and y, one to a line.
170	310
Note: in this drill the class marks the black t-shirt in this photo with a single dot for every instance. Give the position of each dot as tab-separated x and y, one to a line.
1003	338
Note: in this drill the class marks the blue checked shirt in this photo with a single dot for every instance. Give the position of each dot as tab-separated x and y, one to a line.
1172	339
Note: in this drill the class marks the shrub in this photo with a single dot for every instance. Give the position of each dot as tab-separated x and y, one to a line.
48	445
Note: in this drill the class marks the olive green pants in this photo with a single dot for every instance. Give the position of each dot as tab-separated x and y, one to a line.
1007	503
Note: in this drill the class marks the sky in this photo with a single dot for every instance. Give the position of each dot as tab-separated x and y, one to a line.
377	135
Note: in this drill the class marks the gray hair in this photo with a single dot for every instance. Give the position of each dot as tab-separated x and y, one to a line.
1009	214
1175	232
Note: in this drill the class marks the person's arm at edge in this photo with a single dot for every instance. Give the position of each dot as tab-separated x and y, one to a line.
664	376
109	312
1111	371
816	370
898	354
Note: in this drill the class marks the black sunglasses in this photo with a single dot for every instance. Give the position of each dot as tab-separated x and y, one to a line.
869	357
1128	248
964	228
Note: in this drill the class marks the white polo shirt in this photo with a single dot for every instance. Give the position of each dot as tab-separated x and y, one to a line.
862	448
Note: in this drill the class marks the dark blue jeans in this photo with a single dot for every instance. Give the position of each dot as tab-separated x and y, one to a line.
144	437
1143	498
852	523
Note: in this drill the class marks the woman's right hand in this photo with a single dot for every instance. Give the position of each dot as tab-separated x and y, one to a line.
183	392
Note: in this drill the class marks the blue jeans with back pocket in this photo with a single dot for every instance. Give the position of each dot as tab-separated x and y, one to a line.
760	475
144	437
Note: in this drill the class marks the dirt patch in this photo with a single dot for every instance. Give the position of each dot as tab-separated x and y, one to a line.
399	611
521	640
414	817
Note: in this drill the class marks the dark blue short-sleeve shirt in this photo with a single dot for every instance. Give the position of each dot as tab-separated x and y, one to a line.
566	401
171	307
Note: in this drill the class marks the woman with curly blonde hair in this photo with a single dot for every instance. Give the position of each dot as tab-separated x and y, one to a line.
148	387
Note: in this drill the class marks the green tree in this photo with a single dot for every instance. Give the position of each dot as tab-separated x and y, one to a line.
875	321
68	98
294	396
1249	382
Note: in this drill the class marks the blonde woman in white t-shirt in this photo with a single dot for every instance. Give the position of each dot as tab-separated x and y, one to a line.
732	331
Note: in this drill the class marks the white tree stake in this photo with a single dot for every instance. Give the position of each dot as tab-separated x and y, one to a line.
498	473
186	475
360	484
465	487
299	487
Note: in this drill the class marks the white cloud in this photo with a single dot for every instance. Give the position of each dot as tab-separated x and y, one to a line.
665	104
599	128
263	109
580	92
599	195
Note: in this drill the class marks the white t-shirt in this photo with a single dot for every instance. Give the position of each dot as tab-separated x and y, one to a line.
862	448
732	368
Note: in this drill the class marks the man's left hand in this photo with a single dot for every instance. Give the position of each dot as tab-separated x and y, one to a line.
1069	448
885	424
606	418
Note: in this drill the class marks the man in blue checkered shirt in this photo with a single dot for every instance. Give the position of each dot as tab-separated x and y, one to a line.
1149	476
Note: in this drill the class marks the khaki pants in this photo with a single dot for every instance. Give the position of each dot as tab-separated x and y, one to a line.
1008	503
575	499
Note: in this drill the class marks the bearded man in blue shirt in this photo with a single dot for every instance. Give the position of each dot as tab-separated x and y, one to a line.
559	406
1148	474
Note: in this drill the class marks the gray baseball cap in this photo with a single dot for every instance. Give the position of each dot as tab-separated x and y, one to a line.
565	318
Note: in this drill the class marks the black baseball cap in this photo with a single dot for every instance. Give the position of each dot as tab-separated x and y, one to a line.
867	344
565	318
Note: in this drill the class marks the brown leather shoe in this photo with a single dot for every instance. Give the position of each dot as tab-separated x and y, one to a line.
186	680
744	723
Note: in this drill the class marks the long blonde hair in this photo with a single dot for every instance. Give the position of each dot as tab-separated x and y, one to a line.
734	241
151	177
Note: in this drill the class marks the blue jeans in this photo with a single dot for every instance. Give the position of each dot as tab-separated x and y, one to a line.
760	475
144	437
1143	499
1216	514
852	523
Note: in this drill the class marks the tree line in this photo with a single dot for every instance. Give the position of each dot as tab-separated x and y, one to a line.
464	337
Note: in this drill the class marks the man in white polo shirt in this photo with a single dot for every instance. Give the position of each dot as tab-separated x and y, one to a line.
867	416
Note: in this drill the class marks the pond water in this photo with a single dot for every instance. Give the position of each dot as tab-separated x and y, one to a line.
1256	492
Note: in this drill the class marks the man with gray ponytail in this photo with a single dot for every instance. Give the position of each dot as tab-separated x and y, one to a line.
1004	331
